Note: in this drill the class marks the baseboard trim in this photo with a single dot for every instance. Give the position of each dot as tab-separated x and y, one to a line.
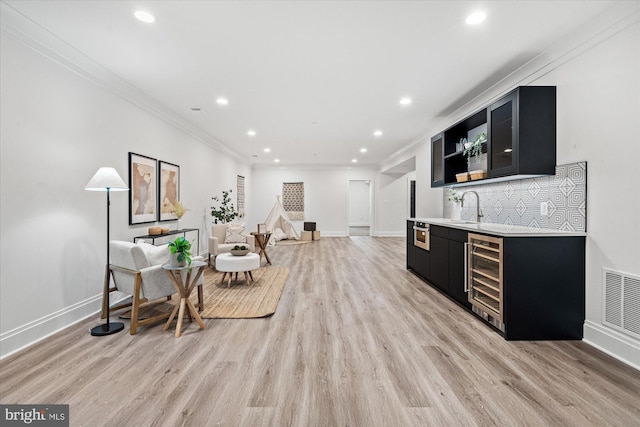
613	343
30	333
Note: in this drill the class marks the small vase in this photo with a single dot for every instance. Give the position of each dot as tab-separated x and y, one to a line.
173	260
178	224
456	211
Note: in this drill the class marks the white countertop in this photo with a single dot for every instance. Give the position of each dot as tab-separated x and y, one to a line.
499	229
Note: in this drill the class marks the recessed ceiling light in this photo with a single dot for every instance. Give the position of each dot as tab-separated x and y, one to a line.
145	16
405	101
377	133
251	133
363	150
267	150
476	18
354	160
276	160
222	101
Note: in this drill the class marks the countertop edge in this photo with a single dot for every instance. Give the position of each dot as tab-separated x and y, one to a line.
496	229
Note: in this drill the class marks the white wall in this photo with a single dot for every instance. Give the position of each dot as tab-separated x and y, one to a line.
599	121
325	195
57	128
359	203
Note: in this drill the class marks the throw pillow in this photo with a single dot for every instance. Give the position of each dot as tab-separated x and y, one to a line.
155	254
278	234
235	234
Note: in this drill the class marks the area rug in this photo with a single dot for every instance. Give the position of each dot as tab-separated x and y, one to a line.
240	301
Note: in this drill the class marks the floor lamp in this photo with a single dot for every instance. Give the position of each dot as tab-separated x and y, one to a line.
107	179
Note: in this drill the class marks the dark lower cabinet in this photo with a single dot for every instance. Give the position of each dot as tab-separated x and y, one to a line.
439	274
457	255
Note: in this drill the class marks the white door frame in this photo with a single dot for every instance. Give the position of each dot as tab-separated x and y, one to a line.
372	220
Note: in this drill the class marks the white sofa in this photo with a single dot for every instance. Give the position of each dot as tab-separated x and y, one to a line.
218	241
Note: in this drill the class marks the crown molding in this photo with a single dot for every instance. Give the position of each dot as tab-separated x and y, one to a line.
24	30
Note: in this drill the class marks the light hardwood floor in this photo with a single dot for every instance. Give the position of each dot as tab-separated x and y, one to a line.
357	340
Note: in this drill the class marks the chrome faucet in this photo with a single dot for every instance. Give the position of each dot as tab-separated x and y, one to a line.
478	210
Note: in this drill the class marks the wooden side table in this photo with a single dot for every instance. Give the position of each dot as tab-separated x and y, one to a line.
184	285
262	239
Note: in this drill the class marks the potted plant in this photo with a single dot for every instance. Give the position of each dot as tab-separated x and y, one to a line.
456	208
226	212
180	252
474	149
239	250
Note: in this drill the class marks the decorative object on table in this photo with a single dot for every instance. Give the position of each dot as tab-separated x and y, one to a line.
169	190
462	177
180	252
474	149
239	250
154	231
179	210
226	212
262	228
456	208
143	183
106	179
293	199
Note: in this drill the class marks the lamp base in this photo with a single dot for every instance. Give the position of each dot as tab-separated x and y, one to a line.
107	329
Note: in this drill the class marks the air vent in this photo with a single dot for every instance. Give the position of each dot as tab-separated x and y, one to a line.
621	302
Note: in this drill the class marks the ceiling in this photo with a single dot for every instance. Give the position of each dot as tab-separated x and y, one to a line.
313	79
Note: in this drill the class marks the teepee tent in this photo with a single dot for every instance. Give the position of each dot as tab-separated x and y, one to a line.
278	218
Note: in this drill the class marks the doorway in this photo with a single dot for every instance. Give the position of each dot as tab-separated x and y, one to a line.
359	207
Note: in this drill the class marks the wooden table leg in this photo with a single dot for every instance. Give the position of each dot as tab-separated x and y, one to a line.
173	315
192	310
180	316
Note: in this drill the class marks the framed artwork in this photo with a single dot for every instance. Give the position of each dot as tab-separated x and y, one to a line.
169	181
143	185
262	228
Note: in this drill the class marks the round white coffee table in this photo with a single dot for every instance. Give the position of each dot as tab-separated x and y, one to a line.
230	264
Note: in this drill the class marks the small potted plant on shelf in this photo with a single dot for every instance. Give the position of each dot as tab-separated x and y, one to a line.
180	252
474	149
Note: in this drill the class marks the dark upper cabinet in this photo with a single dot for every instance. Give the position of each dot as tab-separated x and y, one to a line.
522	133
437	156
521	137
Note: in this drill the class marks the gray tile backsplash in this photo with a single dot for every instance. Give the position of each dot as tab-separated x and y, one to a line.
518	202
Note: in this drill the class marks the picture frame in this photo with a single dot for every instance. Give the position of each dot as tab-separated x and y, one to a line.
143	186
262	228
168	190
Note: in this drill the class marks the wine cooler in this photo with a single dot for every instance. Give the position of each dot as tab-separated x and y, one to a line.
484	278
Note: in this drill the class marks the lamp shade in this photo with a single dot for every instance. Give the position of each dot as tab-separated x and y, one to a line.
106	179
